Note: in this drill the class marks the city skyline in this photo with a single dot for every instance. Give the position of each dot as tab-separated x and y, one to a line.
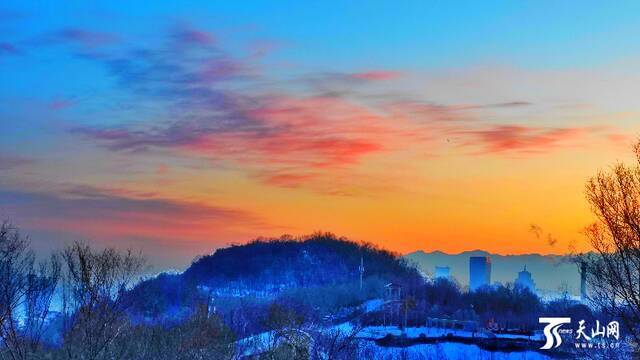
180	129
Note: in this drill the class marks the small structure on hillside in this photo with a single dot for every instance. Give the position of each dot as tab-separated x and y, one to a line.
392	291
392	304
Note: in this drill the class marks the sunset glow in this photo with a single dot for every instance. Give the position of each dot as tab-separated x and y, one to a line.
179	129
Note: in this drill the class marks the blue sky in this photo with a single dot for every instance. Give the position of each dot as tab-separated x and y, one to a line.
433	33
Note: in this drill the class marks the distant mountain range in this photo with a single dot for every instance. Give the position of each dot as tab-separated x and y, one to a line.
552	273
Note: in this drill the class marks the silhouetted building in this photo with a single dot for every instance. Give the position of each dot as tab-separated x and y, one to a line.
583	281
392	304
525	280
392	292
479	272
442	272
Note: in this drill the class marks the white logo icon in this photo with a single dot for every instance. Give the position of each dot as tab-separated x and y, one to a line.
551	330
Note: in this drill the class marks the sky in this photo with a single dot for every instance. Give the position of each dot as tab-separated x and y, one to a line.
180	127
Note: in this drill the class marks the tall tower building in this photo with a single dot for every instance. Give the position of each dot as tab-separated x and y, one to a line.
525	280
583	281
479	272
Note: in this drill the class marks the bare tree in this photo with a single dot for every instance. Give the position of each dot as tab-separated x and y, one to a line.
95	299
288	337
26	293
202	336
15	259
613	269
336	344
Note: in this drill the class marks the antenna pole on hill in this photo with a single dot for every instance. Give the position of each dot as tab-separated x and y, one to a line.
361	268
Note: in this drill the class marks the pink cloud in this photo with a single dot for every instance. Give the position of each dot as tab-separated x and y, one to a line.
522	139
220	69
9	162
189	35
307	132
121	213
260	48
377	75
293	139
87	38
621	140
287	180
60	104
162	169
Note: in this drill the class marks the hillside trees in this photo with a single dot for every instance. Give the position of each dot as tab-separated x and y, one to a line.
26	291
288	262
613	270
94	298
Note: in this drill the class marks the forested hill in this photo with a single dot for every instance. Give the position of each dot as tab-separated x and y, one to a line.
318	259
267	268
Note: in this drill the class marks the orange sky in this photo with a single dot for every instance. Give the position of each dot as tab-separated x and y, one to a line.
195	136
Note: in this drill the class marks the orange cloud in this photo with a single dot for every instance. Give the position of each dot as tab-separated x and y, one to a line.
287	180
522	139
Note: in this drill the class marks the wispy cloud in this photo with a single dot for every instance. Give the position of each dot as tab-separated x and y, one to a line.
286	180
197	83
83	37
112	212
377	75
60	104
186	34
510	104
9	49
9	162
523	139
214	105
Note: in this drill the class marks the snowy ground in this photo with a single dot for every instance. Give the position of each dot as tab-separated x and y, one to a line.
372	305
368	349
442	351
378	332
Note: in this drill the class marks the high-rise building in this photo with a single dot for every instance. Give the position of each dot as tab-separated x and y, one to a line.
583	281
479	272
442	272
525	280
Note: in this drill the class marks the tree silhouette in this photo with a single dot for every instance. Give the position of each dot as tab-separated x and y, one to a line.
613	270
